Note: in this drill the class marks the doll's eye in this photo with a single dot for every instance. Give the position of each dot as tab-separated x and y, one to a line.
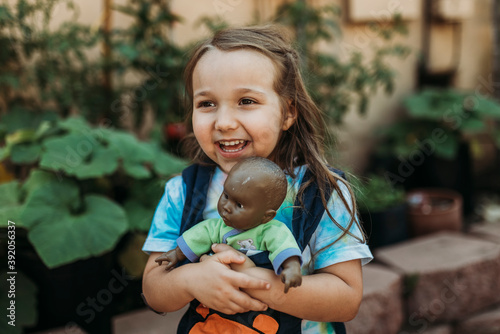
226	196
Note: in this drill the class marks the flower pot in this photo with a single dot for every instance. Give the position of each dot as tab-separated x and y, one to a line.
434	210
386	227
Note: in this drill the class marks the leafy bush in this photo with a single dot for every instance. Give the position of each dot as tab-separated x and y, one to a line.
442	118
87	185
376	194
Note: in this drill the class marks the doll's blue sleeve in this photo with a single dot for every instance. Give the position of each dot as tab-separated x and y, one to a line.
165	226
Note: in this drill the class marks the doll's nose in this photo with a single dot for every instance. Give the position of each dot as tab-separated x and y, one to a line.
227	207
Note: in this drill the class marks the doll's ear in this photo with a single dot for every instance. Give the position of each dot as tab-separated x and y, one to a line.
268	216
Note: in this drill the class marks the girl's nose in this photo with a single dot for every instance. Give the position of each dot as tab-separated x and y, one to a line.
226	120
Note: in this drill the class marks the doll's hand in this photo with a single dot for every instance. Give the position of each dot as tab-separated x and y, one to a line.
290	274
169	257
221	287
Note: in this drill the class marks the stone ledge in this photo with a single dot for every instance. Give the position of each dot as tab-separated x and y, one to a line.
487	231
449	275
483	323
381	310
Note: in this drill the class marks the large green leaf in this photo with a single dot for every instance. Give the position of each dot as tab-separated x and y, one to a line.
80	155
25	153
25	303
486	107
139	216
134	154
166	164
10	206
63	228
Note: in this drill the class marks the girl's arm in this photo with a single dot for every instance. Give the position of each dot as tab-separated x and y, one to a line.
211	282
331	294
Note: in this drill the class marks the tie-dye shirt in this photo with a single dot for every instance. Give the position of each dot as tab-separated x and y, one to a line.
322	250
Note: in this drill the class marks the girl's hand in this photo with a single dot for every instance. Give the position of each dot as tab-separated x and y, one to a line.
221	285
236	266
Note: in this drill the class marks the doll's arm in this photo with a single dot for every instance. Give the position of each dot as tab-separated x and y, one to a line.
173	256
290	274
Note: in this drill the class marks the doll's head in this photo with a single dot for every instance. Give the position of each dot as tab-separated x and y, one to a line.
253	191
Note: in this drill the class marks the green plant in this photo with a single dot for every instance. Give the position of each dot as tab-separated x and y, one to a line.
52	68
375	194
334	83
87	185
438	121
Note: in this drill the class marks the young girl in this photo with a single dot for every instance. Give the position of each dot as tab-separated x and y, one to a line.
248	99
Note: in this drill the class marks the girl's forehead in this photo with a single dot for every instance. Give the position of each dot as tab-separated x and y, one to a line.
236	60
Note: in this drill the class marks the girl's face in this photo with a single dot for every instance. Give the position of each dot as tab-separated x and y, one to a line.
236	112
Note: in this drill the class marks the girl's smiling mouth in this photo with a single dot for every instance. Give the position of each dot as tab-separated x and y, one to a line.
232	146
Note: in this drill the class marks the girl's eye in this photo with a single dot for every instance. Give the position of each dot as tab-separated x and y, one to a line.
239	205
247	101
205	104
226	196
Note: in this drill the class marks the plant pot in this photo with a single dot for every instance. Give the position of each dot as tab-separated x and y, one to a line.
386	227
434	210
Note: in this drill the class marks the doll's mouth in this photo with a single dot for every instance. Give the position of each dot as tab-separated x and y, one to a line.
232	146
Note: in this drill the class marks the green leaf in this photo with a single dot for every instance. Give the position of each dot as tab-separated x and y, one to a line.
139	216
166	164
63	228
79	155
473	124
10	206
486	107
25	302
134	154
36	179
25	153
448	149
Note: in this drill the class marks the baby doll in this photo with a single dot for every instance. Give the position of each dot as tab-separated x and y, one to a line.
253	191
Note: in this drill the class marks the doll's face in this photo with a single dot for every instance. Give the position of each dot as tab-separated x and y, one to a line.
242	204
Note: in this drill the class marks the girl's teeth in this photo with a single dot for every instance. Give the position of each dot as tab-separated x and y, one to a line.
225	144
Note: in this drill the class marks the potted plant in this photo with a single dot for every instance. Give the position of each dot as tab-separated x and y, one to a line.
430	147
382	209
434	210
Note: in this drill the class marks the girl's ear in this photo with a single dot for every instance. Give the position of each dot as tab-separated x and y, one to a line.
290	116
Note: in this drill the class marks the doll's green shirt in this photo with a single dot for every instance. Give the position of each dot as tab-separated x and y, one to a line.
273	236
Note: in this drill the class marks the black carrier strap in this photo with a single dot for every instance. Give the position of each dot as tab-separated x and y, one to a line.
304	223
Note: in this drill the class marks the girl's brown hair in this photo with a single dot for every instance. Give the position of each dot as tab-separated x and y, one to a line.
303	142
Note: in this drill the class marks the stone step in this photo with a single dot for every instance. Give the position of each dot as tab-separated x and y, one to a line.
448	275
381	310
487	322
487	231
147	322
441	329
